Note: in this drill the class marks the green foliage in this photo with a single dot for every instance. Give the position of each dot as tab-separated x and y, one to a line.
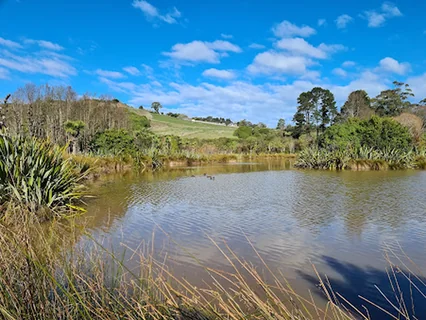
115	142
378	133
316	108
138	122
156	106
281	124
74	128
393	102
243	132
35	176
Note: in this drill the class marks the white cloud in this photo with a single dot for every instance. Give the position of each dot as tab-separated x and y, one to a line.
243	99
199	51
221	74
322	22
45	44
109	74
48	63
288	29
256	46
391	65
299	46
340	72
226	36
348	64
376	18
9	44
132	70
271	62
343	20
418	85
147	68
4	73
152	13
221	45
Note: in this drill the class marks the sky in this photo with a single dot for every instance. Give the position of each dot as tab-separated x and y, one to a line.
238	59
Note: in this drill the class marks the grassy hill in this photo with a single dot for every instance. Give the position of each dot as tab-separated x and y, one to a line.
164	125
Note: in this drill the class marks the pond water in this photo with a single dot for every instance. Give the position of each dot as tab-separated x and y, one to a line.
339	221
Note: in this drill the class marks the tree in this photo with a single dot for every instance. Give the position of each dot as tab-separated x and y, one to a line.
141	107
244	123
393	102
74	129
299	124
156	106
261	125
318	107
281	124
358	105
243	132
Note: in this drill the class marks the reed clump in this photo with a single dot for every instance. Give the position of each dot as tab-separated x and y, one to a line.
361	158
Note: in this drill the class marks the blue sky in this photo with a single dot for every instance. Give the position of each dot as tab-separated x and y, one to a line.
237	58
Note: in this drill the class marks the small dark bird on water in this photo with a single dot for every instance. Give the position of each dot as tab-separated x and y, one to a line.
204	174
192	176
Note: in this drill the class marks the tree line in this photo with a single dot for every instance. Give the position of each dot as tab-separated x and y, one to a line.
317	109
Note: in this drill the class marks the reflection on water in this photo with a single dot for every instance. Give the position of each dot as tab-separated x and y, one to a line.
339	221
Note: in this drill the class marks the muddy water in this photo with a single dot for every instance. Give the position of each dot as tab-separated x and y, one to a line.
339	221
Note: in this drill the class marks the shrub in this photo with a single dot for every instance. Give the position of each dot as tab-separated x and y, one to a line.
378	133
243	132
114	142
34	175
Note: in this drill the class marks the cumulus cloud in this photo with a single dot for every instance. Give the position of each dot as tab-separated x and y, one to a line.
340	72
200	51
243	99
377	18
132	71
343	20
109	74
288	29
300	46
221	74
45	44
44	62
152	13
270	62
348	64
391	65
9	44
256	46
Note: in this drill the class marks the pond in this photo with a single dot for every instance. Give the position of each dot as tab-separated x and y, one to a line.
339	221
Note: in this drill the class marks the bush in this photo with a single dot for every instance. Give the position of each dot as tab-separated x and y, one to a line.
34	175
114	142
243	132
378	133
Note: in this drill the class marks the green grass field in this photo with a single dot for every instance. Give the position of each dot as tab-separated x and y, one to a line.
164	125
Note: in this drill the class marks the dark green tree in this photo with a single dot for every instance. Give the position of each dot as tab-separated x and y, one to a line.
243	132
299	124
393	102
156	106
281	124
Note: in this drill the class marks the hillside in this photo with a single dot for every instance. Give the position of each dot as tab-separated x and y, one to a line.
164	125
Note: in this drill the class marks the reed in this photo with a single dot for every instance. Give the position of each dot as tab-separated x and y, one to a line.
41	280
